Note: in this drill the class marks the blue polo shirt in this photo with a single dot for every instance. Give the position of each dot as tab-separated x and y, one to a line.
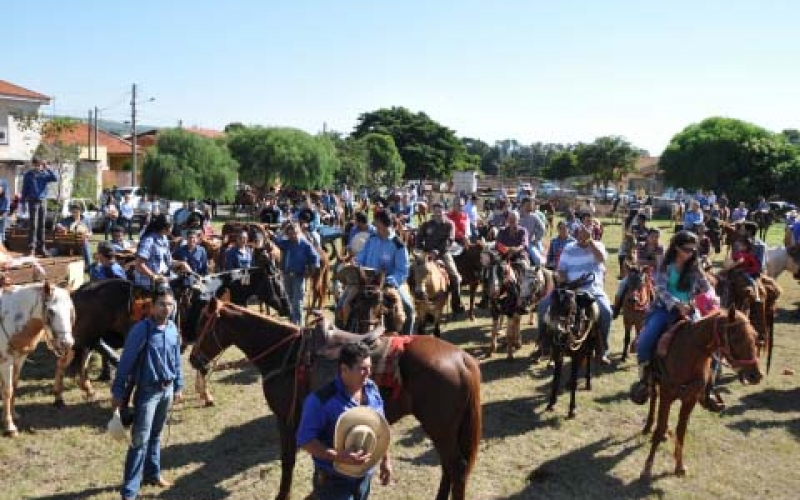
322	409
296	256
34	183
197	258
154	249
236	258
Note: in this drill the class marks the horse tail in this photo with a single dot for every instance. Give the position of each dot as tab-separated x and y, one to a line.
470	428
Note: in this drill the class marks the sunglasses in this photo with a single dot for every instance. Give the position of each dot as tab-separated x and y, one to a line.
688	249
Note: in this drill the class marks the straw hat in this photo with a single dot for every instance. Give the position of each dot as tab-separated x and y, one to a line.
361	429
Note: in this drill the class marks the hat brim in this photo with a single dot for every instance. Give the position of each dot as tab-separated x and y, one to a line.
361	415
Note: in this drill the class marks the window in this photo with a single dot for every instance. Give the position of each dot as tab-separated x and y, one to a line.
3	135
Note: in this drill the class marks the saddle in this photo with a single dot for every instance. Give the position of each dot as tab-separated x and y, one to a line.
662	347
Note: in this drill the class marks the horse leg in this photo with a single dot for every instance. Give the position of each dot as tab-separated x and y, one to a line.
83	377
473	287
589	371
558	358
627	339
58	383
651	413
495	333
201	387
687	405
288	458
7	379
573	383
664	405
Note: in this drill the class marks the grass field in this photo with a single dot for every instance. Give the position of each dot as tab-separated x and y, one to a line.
231	451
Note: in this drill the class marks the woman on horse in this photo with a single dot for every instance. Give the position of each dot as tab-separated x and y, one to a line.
678	280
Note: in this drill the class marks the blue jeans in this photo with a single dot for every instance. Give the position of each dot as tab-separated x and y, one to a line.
144	455
329	486
36	217
655	323
295	288
603	305
3	224
408	308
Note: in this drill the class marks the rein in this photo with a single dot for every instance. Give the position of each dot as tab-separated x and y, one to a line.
725	347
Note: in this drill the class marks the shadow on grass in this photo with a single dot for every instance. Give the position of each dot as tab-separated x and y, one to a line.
584	473
72	495
232	452
774	400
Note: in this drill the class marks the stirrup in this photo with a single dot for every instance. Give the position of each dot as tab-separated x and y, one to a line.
640	392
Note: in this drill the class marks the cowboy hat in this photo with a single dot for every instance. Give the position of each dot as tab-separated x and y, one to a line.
361	429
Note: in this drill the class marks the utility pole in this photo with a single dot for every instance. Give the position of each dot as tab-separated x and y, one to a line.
96	126
133	133
89	132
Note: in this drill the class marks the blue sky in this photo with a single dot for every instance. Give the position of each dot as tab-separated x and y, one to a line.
531	70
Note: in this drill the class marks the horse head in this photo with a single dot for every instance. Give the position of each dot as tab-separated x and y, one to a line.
737	343
562	313
637	277
208	345
59	317
420	272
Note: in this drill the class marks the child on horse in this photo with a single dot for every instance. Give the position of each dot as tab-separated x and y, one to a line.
678	280
745	260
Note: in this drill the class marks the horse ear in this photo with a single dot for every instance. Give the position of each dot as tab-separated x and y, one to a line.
47	289
731	313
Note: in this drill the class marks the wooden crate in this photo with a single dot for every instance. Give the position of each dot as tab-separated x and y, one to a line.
65	271
67	244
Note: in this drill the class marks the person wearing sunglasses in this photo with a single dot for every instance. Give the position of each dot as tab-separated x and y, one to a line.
678	280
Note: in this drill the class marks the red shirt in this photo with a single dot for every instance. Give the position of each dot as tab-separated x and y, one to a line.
750	264
460	222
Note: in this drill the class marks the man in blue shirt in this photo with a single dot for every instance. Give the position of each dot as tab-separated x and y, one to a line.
298	256
190	256
34	191
239	256
361	226
386	253
352	387
106	266
152	359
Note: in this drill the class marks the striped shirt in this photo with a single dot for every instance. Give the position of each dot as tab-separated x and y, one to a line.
576	261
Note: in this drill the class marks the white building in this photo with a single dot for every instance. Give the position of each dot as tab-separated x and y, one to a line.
17	140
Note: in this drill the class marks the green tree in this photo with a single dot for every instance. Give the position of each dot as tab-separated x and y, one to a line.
294	157
352	156
429	150
184	165
792	135
62	156
728	155
561	165
384	163
607	159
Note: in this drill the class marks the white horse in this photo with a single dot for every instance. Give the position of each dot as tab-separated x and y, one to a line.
26	312
778	261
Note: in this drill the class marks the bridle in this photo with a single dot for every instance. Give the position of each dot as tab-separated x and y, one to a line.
210	317
721	342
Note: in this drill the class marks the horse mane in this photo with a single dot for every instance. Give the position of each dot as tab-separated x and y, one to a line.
242	310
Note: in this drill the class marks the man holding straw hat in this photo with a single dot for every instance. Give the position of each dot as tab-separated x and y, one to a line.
343	428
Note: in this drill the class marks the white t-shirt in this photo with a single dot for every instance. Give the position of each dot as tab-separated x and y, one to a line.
577	261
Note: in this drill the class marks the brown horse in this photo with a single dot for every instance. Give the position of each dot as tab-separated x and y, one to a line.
639	294
440	387
735	290
431	287
687	370
573	329
320	278
469	266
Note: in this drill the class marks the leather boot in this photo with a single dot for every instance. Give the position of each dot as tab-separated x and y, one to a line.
640	391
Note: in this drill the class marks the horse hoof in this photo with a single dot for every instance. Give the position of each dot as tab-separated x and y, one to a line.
588	387
11	433
571	415
59	403
549	408
509	357
681	471
209	403
89	396
646	431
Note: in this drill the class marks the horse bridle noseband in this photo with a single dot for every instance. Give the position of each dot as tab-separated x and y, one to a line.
725	347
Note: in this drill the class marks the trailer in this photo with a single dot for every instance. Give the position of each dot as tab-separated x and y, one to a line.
465	181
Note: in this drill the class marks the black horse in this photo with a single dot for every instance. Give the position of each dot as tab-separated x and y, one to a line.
572	324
